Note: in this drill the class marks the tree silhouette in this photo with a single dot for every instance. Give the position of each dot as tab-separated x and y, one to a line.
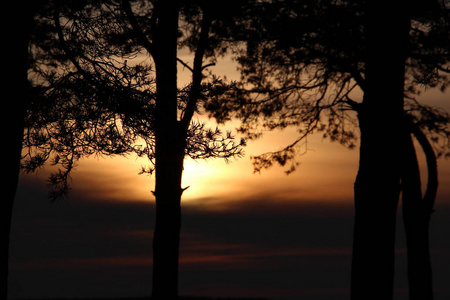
17	65
301	65
91	94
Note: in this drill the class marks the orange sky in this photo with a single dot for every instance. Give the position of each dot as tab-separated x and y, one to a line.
326	173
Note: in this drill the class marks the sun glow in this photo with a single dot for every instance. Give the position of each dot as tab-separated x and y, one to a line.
213	183
203	178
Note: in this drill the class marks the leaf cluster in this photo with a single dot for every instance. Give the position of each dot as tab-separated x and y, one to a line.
303	60
93	90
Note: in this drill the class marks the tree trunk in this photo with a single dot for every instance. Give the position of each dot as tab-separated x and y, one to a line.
13	150
416	217
15	105
167	230
169	151
377	186
377	190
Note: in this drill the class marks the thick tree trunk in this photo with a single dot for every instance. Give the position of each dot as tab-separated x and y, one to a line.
377	186
377	190
15	106
167	229
170	147
13	150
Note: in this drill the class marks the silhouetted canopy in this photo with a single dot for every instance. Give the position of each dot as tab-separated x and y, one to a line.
93	87
303	61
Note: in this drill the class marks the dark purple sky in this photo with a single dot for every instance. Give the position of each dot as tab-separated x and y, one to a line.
88	246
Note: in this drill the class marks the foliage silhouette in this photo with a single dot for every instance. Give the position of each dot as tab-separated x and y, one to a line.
93	93
301	65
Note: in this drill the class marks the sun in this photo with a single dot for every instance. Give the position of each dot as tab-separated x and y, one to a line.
204	178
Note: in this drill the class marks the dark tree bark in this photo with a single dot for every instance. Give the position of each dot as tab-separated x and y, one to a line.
416	216
377	189
170	136
170	147
377	186
13	145
18	40
431	159
416	213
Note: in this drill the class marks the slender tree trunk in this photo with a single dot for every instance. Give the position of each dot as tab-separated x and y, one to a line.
170	147
377	186
416	217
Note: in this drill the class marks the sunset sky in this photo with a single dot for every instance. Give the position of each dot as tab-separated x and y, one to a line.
243	234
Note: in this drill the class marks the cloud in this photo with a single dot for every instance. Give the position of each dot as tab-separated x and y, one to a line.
255	244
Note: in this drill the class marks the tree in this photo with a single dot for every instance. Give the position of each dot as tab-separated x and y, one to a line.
302	71
17	65
90	96
379	174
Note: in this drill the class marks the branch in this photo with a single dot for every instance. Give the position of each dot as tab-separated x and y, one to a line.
208	65
288	153
447	70
192	70
432	185
197	75
137	29
185	65
358	78
63	43
356	106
